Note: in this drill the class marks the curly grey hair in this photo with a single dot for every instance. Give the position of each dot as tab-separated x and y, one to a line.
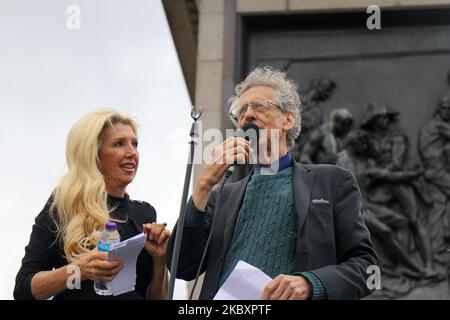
286	96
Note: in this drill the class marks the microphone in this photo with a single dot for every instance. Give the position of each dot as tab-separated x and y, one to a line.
249	132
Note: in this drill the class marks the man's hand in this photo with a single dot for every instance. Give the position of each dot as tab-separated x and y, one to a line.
233	150
286	287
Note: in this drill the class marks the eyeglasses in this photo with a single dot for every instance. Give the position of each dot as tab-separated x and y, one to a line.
237	112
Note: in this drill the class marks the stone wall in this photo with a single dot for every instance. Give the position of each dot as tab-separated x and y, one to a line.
210	58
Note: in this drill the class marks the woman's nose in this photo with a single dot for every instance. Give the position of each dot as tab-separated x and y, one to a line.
131	150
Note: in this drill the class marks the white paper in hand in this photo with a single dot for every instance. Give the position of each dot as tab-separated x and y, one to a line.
127	250
245	282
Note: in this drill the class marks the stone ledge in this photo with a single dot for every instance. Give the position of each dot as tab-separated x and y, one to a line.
245	6
339	5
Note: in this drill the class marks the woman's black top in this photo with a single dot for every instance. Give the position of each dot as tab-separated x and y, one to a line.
43	253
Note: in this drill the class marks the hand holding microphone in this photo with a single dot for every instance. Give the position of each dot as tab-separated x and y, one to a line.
250	132
226	156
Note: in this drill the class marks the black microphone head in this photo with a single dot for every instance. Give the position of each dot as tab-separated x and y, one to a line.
250	131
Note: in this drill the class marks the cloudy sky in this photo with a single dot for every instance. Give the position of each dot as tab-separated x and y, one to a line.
122	57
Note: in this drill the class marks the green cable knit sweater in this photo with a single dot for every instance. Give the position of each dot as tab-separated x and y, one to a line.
264	234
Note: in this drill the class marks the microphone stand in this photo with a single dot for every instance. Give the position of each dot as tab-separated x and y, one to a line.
195	115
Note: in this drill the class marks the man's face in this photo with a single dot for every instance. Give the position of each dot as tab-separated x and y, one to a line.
444	111
446	154
358	143
270	117
382	121
362	146
342	126
325	89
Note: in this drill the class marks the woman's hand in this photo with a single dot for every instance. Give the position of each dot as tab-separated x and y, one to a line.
95	266
157	238
156	246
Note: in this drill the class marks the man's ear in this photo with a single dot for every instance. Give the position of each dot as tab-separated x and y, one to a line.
289	121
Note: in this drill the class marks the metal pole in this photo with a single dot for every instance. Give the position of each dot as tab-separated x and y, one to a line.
187	181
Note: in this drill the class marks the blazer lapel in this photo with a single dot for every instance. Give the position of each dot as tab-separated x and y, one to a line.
303	178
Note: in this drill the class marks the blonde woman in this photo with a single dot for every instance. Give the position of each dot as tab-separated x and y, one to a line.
102	158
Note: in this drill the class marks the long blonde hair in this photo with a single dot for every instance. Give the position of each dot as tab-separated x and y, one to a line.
80	205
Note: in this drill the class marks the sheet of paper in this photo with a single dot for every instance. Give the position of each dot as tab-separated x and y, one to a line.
128	250
245	282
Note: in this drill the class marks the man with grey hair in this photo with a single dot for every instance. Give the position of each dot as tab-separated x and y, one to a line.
300	224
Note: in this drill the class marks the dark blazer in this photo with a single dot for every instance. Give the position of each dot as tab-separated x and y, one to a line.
332	239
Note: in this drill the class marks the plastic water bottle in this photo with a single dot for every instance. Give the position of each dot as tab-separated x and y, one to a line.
108	237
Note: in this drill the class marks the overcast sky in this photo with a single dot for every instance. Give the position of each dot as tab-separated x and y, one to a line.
121	57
